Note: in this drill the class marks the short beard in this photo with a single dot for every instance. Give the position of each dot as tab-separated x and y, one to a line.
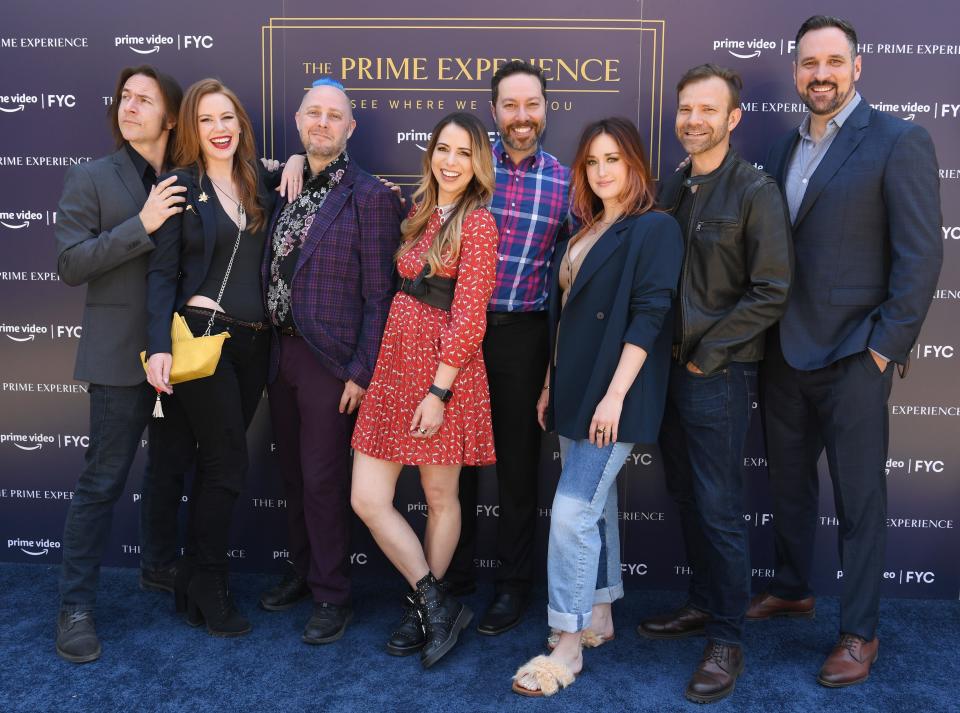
830	108
537	133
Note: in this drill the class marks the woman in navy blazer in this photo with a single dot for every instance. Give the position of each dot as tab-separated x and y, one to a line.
206	265
611	325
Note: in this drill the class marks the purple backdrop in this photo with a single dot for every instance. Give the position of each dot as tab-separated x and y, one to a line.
403	74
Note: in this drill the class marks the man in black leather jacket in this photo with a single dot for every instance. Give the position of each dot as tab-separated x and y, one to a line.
733	286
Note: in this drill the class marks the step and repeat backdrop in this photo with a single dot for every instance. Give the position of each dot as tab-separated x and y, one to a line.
403	74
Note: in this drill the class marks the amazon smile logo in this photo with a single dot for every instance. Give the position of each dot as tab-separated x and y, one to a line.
20	219
27	441
34	548
152	44
745	49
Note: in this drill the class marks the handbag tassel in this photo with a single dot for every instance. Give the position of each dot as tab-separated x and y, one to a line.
158	408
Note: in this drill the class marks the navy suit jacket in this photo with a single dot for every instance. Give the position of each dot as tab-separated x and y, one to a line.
622	294
867	242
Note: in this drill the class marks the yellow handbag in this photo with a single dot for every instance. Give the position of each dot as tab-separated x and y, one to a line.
193	357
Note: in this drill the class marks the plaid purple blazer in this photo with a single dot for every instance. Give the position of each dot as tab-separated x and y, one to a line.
344	279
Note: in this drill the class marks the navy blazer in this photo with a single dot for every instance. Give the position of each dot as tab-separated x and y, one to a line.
184	250
866	240
623	294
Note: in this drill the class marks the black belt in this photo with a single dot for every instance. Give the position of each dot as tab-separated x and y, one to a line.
498	319
290	332
219	316
434	291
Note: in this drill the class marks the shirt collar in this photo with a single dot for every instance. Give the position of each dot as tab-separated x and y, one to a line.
502	157
324	176
835	123
139	162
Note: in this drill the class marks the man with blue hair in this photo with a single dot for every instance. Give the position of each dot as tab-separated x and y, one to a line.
328	277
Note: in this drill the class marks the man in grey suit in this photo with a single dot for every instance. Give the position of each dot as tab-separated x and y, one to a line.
107	212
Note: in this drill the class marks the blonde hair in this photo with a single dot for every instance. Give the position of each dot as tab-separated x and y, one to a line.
445	248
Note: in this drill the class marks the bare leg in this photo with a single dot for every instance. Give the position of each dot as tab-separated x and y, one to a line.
601	621
440	486
374	486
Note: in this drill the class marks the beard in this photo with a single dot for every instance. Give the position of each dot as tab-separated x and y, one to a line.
827	104
522	143
703	144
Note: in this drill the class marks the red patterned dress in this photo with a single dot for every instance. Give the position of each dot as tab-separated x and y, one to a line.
416	339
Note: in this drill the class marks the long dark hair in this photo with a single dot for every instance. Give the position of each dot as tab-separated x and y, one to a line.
170	91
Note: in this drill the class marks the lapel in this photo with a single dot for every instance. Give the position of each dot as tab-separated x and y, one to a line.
129	178
208	218
326	215
598	255
847	139
784	159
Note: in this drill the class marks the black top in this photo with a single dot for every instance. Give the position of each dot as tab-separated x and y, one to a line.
682	214
144	169
242	297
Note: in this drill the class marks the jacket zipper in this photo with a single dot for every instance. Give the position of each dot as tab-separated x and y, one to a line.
682	355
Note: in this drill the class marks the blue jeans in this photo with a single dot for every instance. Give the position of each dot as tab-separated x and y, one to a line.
118	415
705	424
583	558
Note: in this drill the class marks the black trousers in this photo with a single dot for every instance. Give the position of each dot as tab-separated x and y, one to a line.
219	409
515	350
841	408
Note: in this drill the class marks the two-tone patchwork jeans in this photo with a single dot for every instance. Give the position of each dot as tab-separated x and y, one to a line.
583	558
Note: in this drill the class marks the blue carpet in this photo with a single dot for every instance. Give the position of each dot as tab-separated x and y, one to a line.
152	661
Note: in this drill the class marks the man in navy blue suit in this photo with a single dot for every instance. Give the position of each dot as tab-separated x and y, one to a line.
863	193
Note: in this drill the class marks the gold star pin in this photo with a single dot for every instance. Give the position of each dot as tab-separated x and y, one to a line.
203	197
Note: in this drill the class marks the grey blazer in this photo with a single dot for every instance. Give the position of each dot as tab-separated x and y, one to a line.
102	243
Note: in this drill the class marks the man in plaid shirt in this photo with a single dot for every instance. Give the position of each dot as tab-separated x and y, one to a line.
531	208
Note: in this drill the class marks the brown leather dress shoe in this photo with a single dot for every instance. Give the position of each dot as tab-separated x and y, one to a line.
716	676
685	621
766	606
849	662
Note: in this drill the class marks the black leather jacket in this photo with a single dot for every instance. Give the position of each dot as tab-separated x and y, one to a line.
737	264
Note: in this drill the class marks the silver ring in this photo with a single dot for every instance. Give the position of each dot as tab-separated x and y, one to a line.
422	430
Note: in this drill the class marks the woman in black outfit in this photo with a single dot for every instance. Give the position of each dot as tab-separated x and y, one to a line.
206	265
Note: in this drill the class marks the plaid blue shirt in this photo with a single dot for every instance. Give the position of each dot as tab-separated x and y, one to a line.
531	207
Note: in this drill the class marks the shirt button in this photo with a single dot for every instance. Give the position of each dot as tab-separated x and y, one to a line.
803	180
513	205
599	315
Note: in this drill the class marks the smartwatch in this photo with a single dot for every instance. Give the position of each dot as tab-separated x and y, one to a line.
443	394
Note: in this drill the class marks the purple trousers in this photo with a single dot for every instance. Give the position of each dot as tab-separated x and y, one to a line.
313	443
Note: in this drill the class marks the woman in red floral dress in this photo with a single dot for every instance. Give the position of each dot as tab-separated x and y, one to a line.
428	403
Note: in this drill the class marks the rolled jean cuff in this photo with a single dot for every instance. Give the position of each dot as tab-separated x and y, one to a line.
608	595
570	623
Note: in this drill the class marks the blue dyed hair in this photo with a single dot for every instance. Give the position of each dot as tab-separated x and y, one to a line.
328	82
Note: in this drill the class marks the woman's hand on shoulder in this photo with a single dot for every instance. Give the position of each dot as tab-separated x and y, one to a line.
164	201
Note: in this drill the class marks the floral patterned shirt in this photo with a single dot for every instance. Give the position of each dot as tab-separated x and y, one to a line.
291	232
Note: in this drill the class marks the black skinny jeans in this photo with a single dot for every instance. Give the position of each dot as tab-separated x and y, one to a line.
220	408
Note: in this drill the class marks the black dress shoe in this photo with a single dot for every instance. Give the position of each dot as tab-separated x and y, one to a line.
209	602
158	580
685	621
504	614
77	640
716	676
408	638
291	590
327	623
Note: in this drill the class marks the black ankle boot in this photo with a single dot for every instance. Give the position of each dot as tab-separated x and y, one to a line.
408	637
443	619
209	600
